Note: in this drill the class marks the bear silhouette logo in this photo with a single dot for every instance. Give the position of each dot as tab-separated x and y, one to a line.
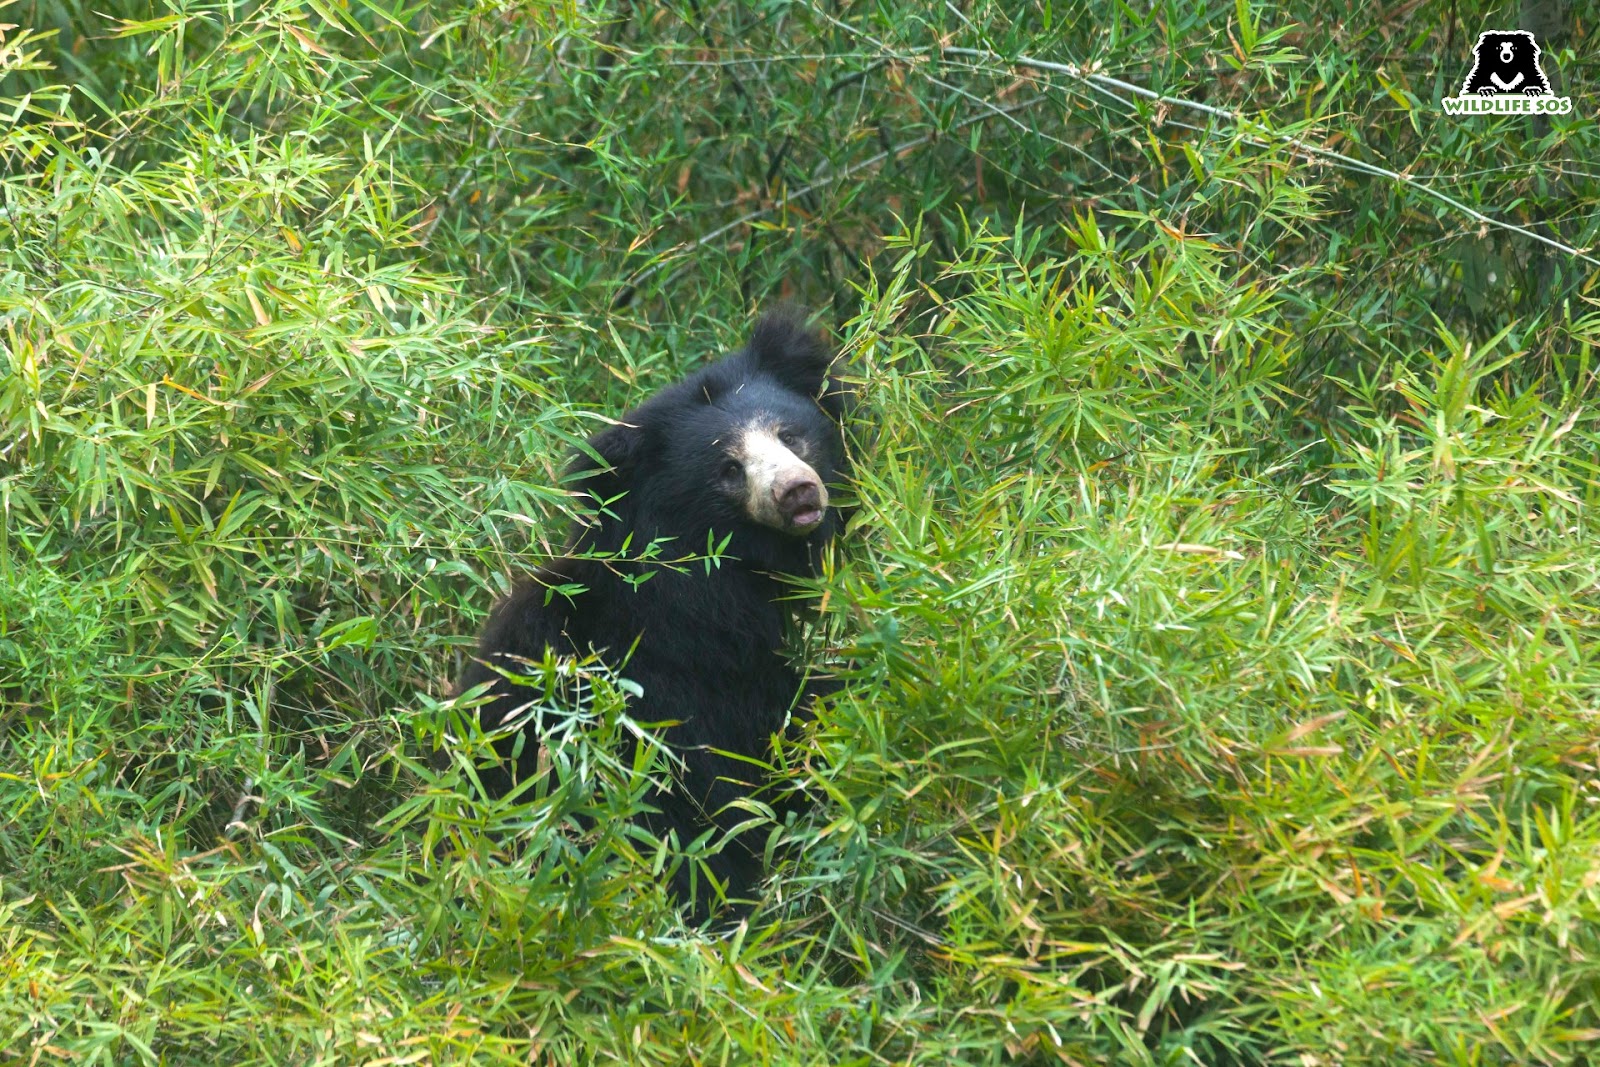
1506	62
1506	79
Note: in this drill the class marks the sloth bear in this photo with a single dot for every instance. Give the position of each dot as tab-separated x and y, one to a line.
1505	61
742	450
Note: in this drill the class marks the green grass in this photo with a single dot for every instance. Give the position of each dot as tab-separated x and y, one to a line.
1220	611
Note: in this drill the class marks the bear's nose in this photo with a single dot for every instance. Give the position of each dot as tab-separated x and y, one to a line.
799	500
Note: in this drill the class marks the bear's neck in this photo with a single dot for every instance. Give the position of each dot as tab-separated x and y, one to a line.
732	615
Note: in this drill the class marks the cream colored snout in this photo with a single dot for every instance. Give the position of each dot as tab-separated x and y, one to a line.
781	489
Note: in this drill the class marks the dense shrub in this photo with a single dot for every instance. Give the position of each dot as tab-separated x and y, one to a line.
1219	613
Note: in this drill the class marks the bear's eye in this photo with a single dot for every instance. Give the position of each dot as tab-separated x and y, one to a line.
730	470
789	438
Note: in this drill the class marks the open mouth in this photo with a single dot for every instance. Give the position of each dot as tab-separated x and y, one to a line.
807	519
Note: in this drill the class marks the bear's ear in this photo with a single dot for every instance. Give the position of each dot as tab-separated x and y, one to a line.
789	350
604	478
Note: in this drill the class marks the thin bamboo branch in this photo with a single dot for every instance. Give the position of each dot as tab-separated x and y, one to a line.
1258	135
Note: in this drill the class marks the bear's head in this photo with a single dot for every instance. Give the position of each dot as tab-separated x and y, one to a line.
744	449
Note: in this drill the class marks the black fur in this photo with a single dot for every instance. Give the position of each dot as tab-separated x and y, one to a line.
706	647
1519	74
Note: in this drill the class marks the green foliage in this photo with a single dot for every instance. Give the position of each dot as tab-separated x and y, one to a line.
1218	616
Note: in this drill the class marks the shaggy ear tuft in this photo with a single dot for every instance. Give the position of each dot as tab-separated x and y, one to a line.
789	350
618	447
